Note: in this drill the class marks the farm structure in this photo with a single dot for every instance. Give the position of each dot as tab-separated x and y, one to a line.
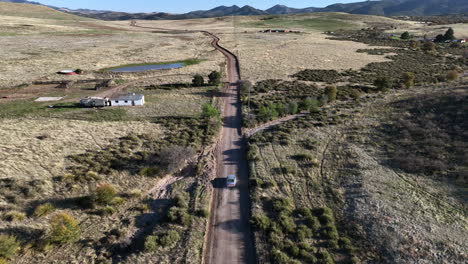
131	99
95	102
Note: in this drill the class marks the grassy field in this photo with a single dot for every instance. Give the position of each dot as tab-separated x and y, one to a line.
36	11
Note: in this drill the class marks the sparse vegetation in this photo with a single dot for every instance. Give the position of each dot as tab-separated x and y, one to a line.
64	229
43	210
9	246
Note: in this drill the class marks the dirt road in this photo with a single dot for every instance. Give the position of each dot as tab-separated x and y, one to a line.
229	238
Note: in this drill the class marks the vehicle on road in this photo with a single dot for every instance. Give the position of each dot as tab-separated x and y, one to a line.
231	181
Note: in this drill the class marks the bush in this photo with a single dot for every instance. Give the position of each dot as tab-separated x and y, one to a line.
117	201
275	239
331	232
282	205
169	239
256	182
332	244
104	193
304	212
151	243
313	223
429	46
198	80
180	201
150	172
309	104
408	79
65	229
254	153
14	216
43	210
303	232
261	222
179	216
323	211
204	213
383	83
287	223
107	210
280	257
326	219
78	71
214	78
8	246
308	257
344	242
414	44
91	175
174	157
291	248
406	35
453	75
330	92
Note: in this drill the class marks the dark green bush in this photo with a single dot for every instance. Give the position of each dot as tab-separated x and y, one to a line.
198	80
151	243
260	222
303	233
169	238
179	216
282	205
330	232
214	78
307	256
303	212
286	222
313	223
203	213
280	257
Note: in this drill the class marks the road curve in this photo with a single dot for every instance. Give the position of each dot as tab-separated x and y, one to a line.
229	239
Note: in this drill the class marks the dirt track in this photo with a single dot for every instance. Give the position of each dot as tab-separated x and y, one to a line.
229	238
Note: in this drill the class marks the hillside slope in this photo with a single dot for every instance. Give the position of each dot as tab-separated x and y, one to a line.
35	11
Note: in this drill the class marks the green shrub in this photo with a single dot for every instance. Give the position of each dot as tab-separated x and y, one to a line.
291	248
151	243
117	201
429	47
204	213
14	216
383	83
326	219
91	175
279	257
150	172
287	223
253	153
282	205
406	35
43	210
344	242
303	212
261	222
169	238
104	193
179	216
307	256
330	232
180	201
332	244
214	78
64	229
8	246
198	80
323	211
313	223
303	233
330	92
256	182
107	210
408	79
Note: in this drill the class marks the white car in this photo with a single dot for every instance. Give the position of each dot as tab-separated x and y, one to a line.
231	181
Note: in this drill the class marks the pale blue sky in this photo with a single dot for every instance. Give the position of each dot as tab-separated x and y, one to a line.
182	6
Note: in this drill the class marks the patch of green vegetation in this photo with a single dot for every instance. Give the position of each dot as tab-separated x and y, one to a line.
186	62
322	23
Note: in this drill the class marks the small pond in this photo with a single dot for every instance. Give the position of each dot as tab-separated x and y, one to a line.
140	68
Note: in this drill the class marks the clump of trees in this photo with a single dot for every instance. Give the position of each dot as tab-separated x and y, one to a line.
449	35
214	79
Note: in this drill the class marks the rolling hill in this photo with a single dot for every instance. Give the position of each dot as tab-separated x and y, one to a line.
383	7
28	10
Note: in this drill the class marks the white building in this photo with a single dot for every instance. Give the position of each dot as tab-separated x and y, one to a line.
128	100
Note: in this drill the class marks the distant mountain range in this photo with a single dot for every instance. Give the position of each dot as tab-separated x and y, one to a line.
383	7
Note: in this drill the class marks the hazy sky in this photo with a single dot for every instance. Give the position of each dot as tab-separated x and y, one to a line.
181	6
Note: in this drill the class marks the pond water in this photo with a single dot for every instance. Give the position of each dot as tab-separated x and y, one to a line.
140	68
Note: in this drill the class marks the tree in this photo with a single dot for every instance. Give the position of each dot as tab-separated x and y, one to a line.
292	108
449	34
214	78
440	38
406	35
65	229
383	83
198	80
330	92
408	79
